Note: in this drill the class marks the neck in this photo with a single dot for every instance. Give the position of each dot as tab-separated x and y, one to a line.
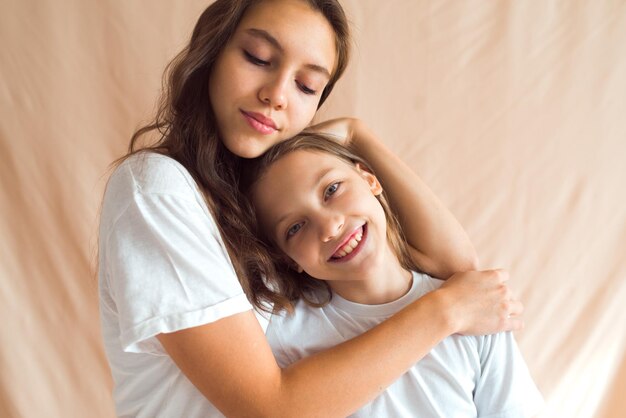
384	283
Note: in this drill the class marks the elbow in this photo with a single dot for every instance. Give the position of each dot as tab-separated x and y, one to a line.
447	263
459	264
467	263
466	259
280	402
472	262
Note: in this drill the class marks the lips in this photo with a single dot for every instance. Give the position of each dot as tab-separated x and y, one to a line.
259	122
350	246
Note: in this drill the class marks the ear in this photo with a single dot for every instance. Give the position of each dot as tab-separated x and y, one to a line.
370	178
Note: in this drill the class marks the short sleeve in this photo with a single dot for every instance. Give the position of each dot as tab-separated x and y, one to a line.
505	388
165	266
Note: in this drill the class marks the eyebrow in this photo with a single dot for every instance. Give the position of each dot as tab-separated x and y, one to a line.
316	186
260	33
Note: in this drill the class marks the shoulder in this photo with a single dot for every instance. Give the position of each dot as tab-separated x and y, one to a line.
425	283
304	318
152	173
291	322
146	175
152	187
296	335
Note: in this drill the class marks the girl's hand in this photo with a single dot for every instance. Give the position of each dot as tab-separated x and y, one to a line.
342	129
480	303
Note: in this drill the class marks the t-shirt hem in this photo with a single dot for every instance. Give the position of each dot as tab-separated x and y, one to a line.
140	339
521	411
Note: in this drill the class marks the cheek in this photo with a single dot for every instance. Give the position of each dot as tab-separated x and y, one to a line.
381	219
374	208
300	254
228	78
301	115
216	86
304	252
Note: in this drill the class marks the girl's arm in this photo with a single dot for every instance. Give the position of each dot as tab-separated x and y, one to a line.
230	362
438	243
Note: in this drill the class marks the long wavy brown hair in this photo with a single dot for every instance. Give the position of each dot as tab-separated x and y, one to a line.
289	283
186	130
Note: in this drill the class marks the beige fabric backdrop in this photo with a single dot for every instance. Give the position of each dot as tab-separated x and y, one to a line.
513	112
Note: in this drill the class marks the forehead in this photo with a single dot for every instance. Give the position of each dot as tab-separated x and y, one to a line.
302	167
296	26
297	171
292	180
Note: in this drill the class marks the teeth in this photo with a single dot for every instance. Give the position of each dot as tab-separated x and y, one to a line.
350	246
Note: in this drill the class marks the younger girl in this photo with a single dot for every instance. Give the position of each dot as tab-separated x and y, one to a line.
342	250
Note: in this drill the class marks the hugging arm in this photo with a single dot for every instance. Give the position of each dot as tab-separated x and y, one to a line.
437	242
232	365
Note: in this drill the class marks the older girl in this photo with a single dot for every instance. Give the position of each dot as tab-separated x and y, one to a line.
179	264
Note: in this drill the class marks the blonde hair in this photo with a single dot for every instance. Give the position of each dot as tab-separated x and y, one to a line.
288	283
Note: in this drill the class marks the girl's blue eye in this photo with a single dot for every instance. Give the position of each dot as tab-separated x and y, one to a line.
331	190
293	230
254	60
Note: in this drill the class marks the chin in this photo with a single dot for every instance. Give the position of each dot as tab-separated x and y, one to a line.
245	147
249	152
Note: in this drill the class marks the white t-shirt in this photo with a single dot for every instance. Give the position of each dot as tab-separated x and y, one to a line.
461	377
163	267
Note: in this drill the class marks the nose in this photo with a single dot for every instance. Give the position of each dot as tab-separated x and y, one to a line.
274	92
331	225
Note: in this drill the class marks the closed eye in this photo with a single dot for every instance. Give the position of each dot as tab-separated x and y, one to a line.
305	89
255	60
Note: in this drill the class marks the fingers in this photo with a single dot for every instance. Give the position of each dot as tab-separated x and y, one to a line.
513	321
511	308
516	308
514	324
483	302
339	129
501	274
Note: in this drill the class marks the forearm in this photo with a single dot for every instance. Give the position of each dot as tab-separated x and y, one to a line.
230	362
440	245
340	380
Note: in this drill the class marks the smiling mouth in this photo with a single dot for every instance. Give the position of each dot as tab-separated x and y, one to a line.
352	247
259	122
